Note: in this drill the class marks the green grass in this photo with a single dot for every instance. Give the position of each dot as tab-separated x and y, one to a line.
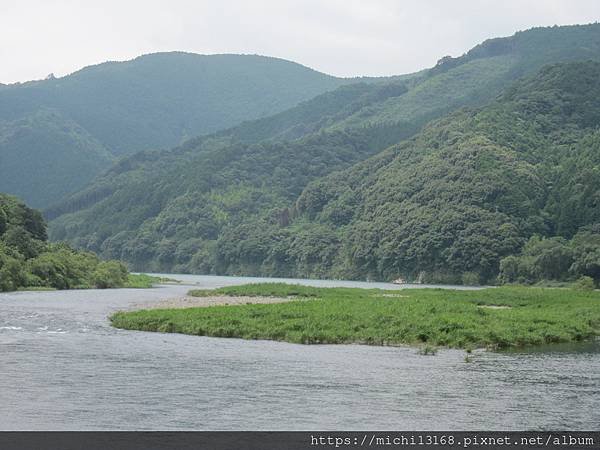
261	290
141	280
423	317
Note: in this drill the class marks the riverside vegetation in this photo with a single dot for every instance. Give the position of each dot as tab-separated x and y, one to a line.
494	318
27	260
353	184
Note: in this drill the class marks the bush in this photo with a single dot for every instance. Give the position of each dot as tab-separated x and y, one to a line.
32	280
52	269
12	275
470	279
109	274
555	259
585	284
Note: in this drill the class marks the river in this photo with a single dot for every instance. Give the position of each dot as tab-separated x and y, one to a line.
62	367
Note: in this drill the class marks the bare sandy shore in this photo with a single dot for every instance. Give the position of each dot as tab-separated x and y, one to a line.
196	302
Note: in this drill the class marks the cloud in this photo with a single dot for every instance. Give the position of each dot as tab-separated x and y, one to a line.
340	37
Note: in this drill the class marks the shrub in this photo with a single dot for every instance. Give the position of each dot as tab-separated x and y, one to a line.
470	279
585	283
52	269
109	274
12	274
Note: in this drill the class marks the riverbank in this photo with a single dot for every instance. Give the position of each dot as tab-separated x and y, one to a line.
133	281
493	318
190	301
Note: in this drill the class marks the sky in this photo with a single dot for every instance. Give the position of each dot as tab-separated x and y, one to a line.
339	37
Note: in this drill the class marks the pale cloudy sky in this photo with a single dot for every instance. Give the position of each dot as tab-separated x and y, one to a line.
340	37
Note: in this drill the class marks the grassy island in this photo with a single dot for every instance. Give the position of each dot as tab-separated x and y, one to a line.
493	318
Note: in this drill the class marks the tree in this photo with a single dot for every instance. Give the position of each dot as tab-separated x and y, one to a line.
109	274
12	275
3	222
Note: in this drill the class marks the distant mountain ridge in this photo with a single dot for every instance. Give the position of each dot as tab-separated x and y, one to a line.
237	202
479	75
158	100
151	102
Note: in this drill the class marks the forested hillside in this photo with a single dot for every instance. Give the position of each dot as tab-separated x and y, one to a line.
257	199
116	108
160	99
28	260
466	192
253	152
477	76
44	156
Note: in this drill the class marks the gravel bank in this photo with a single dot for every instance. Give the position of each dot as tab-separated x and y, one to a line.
217	300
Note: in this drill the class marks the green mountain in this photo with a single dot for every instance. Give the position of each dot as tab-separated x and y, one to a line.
257	199
158	100
478	76
44	156
154	101
464	193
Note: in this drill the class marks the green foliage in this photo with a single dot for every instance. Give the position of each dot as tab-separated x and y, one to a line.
109	274
317	191
141	280
12	274
585	283
22	241
470	279
470	190
261	289
586	246
556	259
496	318
27	260
3	221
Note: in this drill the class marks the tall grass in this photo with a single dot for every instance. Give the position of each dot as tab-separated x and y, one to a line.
432	317
141	280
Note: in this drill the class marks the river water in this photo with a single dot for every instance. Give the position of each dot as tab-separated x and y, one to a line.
62	367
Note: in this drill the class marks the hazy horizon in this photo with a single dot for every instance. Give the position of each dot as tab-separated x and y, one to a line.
341	38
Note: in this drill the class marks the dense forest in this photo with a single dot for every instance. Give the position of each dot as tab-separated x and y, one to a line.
28	260
350	185
557	259
75	126
468	191
44	157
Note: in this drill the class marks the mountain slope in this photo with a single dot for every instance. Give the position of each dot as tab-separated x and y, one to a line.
215	180
152	101
44	157
477	76
224	203
467	191
158	100
307	120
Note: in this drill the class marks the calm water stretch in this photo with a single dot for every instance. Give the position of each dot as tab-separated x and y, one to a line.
63	367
